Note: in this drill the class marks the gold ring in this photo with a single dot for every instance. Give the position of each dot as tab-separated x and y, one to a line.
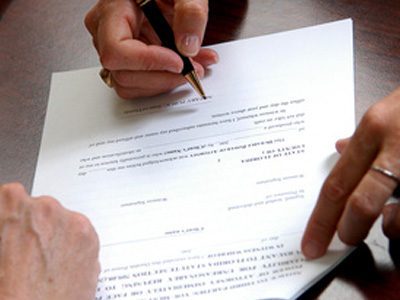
105	74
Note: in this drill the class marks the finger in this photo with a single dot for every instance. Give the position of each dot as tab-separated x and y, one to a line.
189	25
365	205
391	228
130	85
206	57
391	220
153	79
135	56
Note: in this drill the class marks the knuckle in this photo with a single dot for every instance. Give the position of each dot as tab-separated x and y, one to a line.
334	189
46	206
49	202
147	60
83	226
375	120
108	57
88	21
192	9
12	196
12	189
321	226
81	220
364	205
123	78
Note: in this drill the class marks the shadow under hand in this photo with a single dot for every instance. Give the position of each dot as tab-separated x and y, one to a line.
358	265
361	266
373	280
394	250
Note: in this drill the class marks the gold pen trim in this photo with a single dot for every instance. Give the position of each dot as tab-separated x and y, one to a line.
194	81
140	3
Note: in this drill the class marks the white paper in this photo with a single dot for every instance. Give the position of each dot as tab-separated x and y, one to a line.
206	199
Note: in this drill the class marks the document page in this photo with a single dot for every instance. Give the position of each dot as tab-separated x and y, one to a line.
198	198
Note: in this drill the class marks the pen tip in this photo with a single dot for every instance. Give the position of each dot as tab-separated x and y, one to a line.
194	81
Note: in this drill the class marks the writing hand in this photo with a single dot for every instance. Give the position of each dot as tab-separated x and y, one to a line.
128	46
354	195
46	251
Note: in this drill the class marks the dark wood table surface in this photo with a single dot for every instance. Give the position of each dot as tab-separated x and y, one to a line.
38	37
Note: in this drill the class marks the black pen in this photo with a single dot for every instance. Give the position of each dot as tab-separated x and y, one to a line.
166	35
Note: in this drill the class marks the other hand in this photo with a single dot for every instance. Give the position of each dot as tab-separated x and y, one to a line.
46	251
354	195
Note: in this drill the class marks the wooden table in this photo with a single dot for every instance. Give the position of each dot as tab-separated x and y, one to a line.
38	37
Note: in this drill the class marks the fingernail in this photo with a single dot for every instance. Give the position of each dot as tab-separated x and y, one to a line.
216	59
172	69
213	60
189	45
312	249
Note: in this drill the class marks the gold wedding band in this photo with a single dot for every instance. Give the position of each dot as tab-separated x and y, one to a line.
105	74
387	173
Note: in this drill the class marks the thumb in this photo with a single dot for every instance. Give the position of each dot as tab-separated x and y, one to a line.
190	21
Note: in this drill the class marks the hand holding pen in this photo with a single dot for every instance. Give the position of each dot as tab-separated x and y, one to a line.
129	47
